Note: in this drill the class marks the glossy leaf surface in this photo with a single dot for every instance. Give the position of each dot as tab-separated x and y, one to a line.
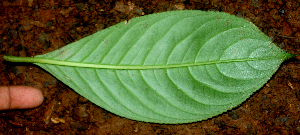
172	67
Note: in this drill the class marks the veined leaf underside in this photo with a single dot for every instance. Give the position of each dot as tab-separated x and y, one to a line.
172	67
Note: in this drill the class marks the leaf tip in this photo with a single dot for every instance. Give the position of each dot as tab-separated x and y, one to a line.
289	55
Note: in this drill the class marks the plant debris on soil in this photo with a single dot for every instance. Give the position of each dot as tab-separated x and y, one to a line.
32	27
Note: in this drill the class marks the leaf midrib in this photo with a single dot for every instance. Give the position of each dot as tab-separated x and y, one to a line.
131	67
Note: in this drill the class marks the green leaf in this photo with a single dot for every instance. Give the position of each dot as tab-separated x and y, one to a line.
171	67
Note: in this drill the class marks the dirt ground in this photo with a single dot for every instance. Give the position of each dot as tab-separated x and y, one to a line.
32	27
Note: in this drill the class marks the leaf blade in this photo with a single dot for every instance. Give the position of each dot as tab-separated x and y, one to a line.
172	67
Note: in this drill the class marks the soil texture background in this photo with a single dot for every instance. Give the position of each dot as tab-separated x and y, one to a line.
33	27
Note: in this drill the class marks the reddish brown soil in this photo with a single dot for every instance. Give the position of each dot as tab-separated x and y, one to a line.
32	27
